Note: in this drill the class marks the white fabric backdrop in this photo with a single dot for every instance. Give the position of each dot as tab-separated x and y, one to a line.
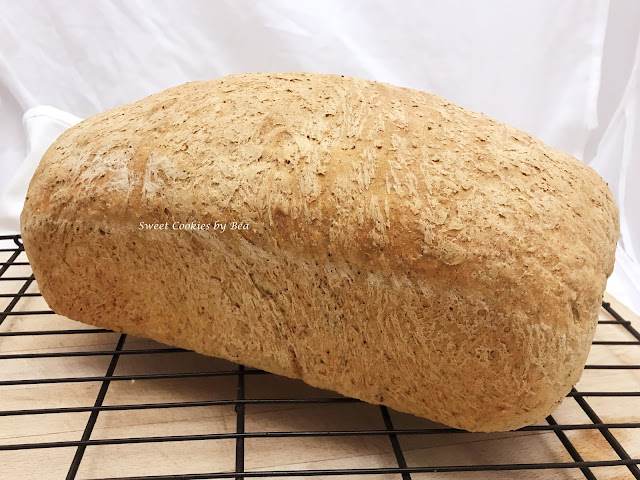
536	64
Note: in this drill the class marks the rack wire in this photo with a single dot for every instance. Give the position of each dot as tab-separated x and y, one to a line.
401	461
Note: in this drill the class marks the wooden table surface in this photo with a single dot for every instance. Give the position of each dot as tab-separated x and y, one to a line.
286	453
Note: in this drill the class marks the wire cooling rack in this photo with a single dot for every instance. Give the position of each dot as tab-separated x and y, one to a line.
82	402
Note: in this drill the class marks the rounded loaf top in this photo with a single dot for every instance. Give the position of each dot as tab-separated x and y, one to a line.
327	166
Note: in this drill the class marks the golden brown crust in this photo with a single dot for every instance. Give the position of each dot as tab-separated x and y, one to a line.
402	250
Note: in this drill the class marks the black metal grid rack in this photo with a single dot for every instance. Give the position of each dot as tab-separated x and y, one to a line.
24	287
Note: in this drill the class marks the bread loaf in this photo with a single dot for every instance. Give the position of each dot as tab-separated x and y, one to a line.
392	247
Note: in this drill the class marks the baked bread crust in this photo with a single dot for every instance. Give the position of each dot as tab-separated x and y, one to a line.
401	249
